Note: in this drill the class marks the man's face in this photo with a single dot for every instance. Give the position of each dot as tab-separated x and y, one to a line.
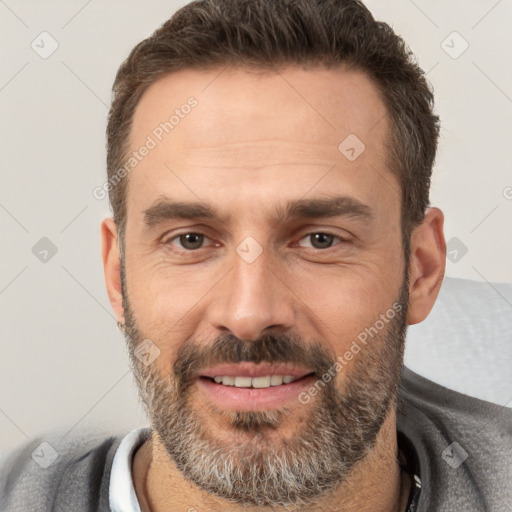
300	258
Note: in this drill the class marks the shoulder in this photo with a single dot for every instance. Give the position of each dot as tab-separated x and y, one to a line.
57	472
459	412
464	444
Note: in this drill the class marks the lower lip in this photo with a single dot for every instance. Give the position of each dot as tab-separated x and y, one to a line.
253	399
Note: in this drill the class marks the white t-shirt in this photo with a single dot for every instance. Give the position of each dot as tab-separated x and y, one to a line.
122	496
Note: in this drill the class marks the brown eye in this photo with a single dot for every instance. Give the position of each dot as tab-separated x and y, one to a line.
321	240
191	241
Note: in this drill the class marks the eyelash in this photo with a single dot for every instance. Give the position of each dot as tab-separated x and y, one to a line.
328	233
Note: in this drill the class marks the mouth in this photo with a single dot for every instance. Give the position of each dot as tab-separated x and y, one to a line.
263	382
253	387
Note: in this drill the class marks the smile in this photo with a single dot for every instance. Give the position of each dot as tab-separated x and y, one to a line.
251	387
255	382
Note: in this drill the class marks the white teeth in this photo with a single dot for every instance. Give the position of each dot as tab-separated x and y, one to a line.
242	382
261	382
228	381
255	382
276	380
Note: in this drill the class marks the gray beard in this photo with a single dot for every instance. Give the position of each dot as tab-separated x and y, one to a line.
250	466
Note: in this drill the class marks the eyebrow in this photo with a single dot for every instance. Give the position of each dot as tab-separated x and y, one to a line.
320	208
165	209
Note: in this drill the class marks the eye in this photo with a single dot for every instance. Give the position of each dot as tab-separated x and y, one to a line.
188	241
321	240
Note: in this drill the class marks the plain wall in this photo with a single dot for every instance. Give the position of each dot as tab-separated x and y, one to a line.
63	360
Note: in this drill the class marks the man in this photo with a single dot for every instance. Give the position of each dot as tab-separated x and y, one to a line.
269	166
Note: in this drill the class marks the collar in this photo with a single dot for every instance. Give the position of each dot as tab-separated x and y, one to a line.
122	495
408	460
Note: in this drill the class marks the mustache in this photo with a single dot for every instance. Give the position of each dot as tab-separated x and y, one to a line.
268	348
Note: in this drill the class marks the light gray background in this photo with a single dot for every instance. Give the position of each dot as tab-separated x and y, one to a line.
63	361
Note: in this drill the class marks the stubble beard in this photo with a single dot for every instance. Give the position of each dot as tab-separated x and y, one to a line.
251	465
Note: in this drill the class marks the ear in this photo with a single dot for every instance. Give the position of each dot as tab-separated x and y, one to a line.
426	265
112	266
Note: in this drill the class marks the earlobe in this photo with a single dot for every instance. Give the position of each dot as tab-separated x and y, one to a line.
112	266
426	265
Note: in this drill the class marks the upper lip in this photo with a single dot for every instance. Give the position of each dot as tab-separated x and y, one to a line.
248	369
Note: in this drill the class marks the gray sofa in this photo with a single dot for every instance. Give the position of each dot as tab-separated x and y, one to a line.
466	342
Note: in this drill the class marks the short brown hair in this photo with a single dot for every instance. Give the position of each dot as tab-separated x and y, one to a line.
272	34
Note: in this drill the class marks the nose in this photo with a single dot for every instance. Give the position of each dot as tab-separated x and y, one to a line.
251	299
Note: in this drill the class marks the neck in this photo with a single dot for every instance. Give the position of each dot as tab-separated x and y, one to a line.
375	484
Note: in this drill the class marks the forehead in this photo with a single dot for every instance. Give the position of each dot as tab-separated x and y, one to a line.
251	131
334	101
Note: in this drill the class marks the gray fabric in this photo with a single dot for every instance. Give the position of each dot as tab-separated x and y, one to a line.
430	416
77	481
465	343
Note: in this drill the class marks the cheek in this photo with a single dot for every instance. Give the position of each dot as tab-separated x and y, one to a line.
164	295
342	303
166	303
